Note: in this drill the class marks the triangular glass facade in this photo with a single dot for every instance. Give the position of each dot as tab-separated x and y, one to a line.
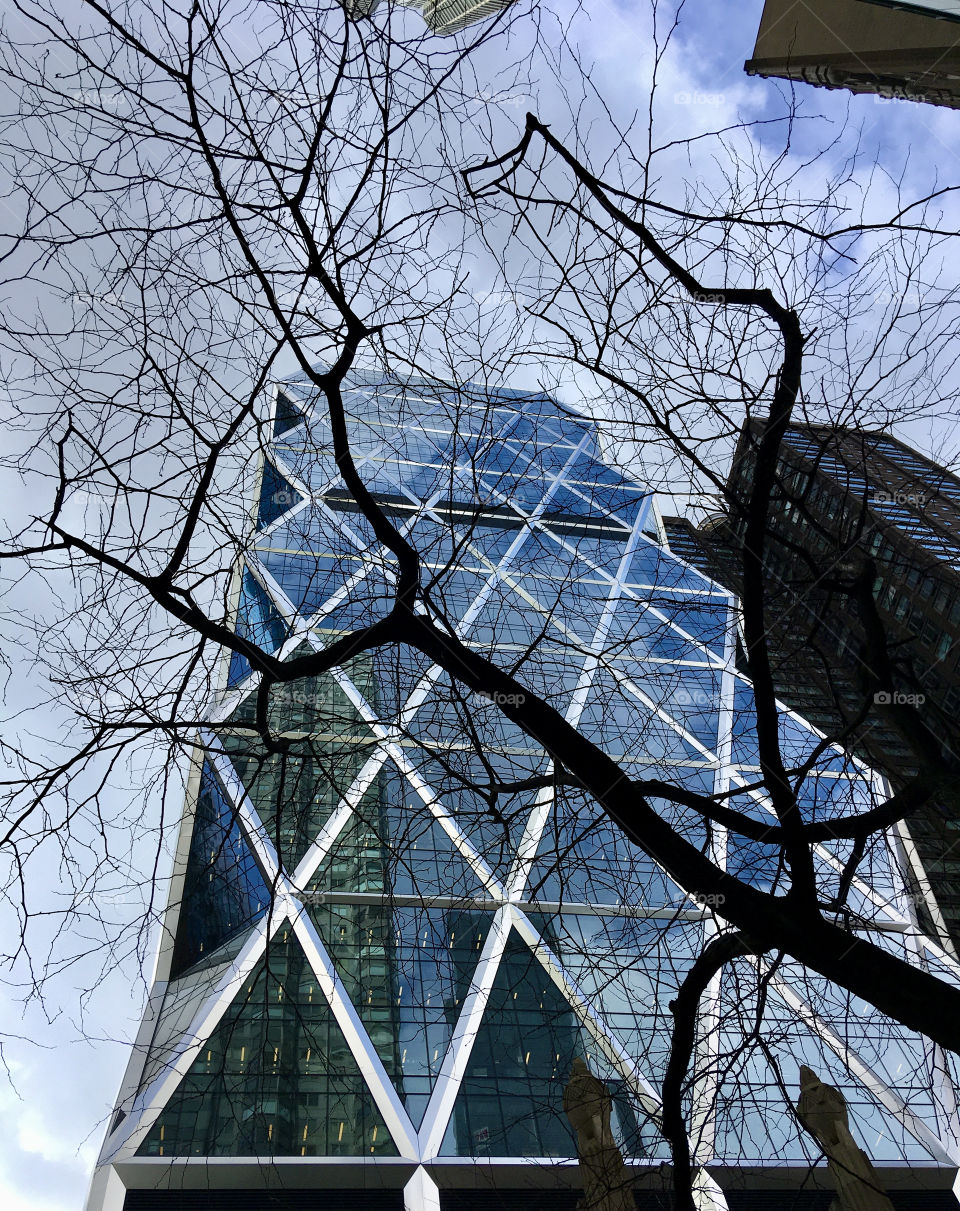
224	889
510	1102
261	624
397	927
275	1078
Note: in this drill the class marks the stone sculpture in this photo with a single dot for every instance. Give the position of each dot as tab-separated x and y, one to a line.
823	1111
606	1182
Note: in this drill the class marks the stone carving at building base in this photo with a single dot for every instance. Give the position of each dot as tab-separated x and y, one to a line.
606	1182
823	1112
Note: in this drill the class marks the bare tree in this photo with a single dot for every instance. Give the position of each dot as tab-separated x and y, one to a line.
214	199
609	292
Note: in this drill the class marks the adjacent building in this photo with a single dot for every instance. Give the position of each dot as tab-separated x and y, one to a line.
442	17
892	49
843	496
391	930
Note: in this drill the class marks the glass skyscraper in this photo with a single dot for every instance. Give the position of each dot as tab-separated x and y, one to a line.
392	930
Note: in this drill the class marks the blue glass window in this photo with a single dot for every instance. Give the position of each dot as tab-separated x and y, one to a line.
224	890
276	1077
277	495
511	1100
287	415
259	621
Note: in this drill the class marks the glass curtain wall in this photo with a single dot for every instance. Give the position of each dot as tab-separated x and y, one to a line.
399	926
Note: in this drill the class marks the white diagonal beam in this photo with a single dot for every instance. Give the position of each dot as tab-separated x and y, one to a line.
944	1151
457	1054
362	1049
388	739
358	1040
587	1013
150	1100
703	1124
530	842
707	1194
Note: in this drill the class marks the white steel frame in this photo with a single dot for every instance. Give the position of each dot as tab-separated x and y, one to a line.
421	1147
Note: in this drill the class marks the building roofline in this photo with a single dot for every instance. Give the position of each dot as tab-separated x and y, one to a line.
853	431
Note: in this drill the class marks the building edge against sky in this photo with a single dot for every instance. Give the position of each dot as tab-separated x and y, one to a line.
373	987
909	51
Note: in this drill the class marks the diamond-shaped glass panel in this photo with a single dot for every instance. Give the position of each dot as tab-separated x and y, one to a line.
403	967
395	846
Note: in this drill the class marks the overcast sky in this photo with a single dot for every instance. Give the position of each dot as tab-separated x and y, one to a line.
64	1083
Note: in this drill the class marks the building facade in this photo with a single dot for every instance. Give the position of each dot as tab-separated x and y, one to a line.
843	496
391	931
909	51
442	17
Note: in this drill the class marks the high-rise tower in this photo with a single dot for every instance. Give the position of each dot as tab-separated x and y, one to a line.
844	496
390	934
442	17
